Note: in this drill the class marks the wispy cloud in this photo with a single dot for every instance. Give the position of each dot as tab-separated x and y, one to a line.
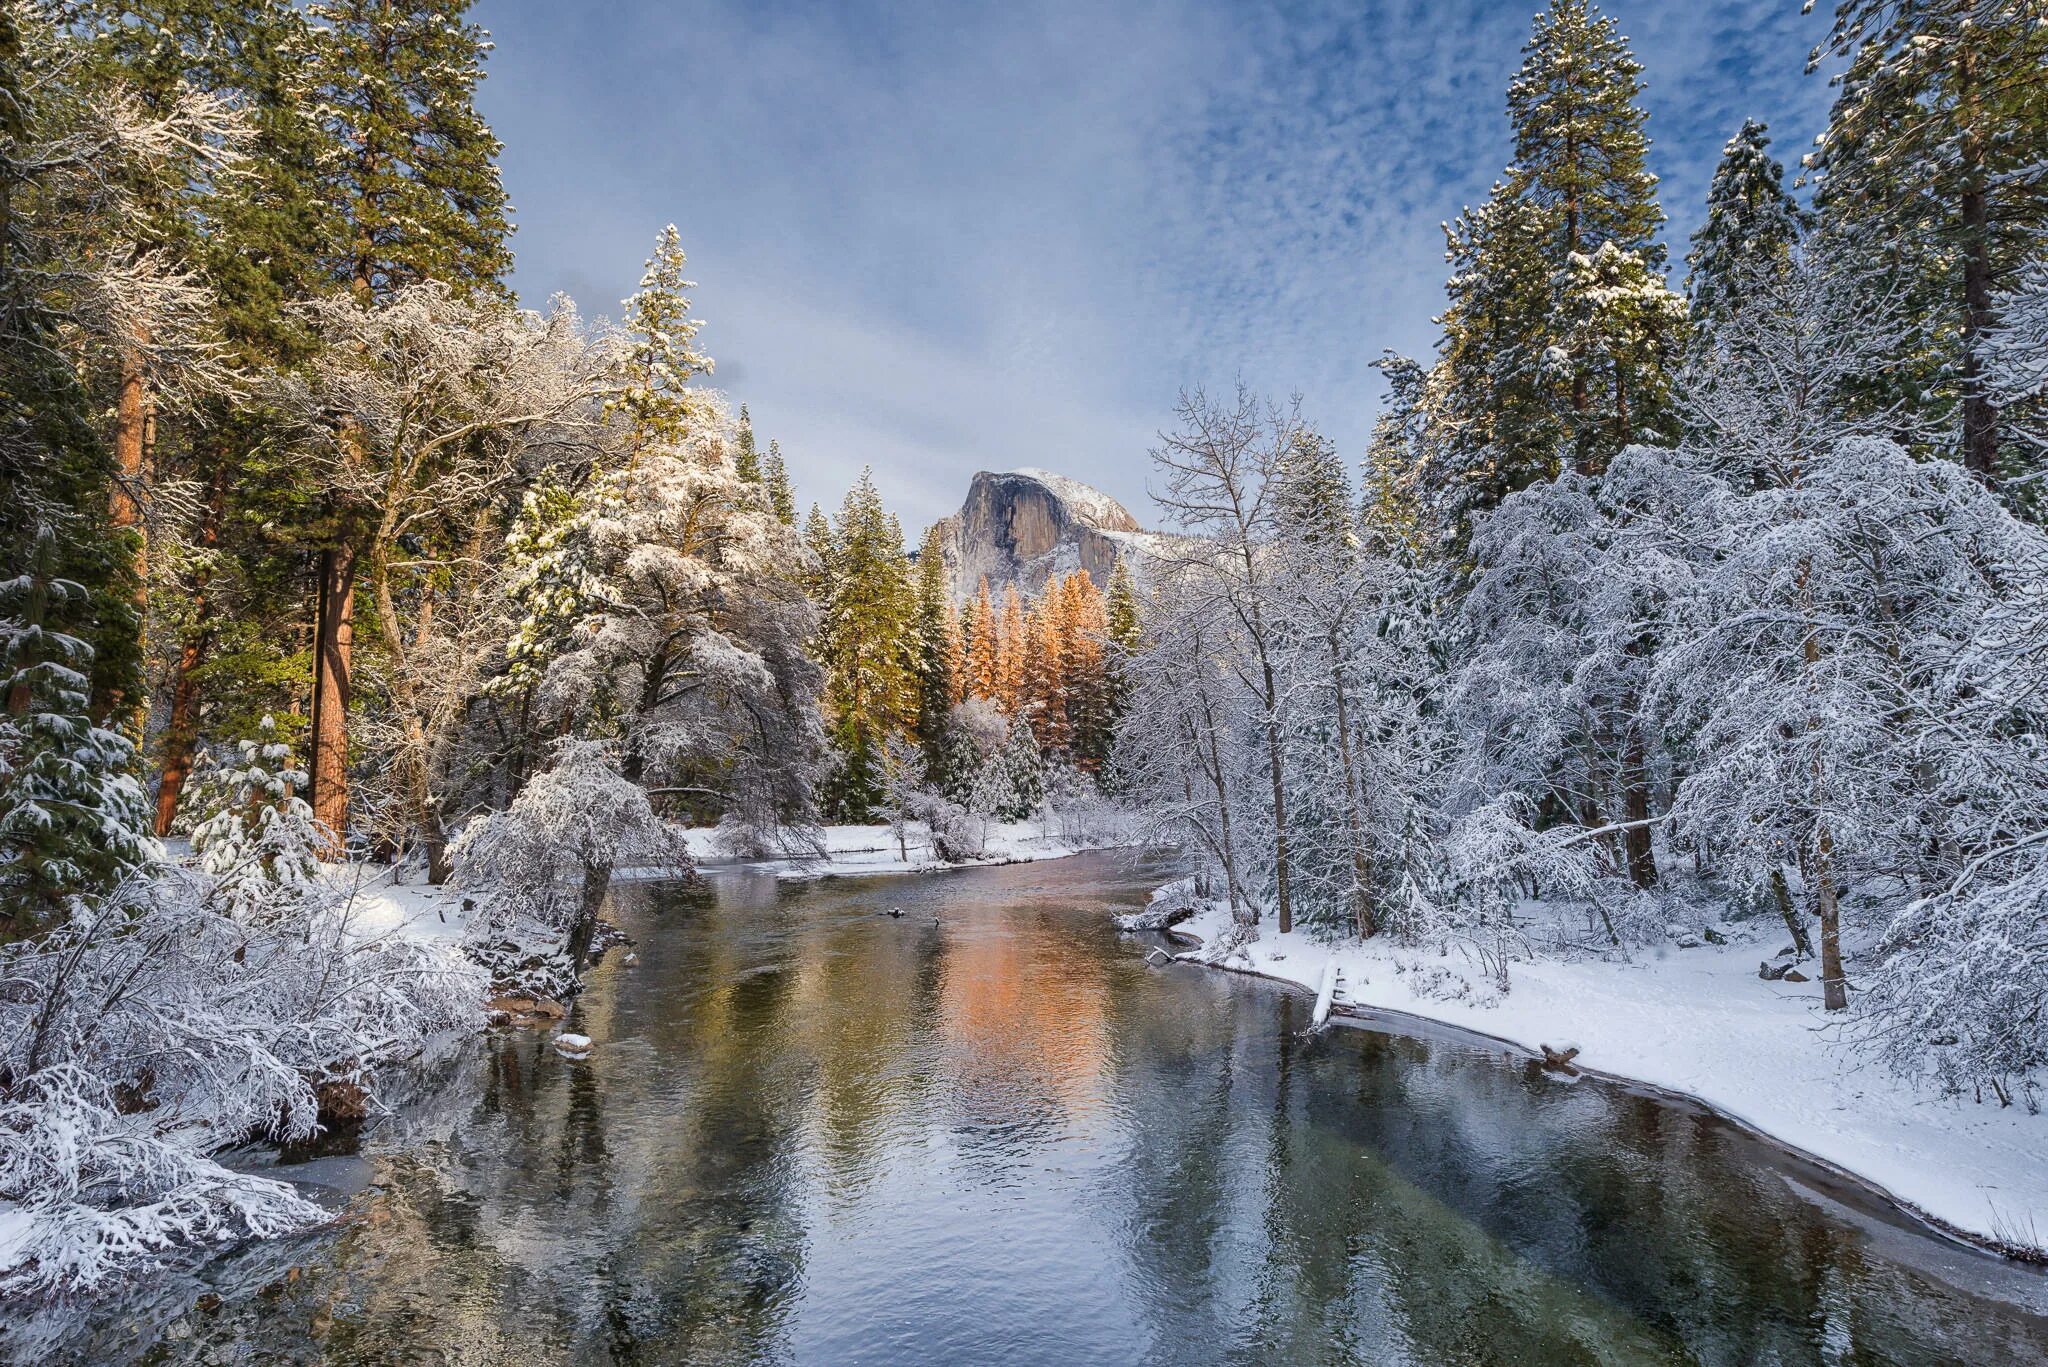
937	238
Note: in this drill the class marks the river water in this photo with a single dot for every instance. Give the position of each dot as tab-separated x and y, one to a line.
987	1131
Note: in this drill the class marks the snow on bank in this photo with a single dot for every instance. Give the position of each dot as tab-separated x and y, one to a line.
398	900
874	849
1699	1021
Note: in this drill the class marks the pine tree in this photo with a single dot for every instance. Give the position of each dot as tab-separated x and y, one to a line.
417	180
1751	224
1087	695
781	495
1043	693
980	647
1531	372
824	571
1580	151
746	460
1501	425
1935	141
867	648
662	359
1619	334
413	180
1123	639
256	836
933	643
1013	647
72	820
226	586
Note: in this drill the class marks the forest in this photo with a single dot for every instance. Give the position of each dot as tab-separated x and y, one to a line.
1674	579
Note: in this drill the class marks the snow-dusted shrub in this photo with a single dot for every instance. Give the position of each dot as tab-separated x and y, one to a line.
1960	987
1075	811
975	730
1009	782
957	834
153	1027
255	836
538	872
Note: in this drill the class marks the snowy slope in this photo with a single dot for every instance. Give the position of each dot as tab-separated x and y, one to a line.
1700	1022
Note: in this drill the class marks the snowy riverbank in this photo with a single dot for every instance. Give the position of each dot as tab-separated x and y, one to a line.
1699	1021
874	849
388	900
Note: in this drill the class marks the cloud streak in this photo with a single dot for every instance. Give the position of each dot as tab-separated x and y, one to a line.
938	238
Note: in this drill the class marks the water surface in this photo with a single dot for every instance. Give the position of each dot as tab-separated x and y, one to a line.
987	1131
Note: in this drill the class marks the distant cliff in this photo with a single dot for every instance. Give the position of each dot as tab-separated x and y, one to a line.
1025	526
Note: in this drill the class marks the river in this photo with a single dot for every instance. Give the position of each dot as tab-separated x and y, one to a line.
988	1131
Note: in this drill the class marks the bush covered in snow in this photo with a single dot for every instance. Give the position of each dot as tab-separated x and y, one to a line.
156	1025
538	872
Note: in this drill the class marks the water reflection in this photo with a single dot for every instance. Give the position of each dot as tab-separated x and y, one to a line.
987	1131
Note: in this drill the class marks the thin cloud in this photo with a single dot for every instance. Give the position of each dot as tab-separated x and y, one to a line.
939	238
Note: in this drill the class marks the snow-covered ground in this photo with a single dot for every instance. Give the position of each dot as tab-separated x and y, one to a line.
1699	1021
874	849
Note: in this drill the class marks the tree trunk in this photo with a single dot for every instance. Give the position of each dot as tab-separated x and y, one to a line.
1980	414
132	413
1635	810
1281	889
1834	992
1361	859
333	648
1802	945
181	735
597	882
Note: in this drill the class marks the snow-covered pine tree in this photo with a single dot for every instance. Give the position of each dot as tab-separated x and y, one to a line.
745	459
73	821
655	394
1620	331
1011	782
1581	155
255	836
1752	224
1934	145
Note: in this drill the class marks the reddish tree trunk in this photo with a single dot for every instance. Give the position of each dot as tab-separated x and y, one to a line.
333	647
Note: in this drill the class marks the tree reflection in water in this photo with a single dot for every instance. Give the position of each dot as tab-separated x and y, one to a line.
814	1133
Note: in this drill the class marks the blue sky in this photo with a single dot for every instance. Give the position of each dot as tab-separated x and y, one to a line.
939	238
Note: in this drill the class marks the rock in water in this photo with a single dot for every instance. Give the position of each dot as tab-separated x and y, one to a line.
1025	526
573	1046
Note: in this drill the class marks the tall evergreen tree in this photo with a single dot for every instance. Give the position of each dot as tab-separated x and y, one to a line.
1937	139
1532	369
414	181
746	460
416	177
781	494
662	357
933	644
256	238
1751	225
868	634
1581	155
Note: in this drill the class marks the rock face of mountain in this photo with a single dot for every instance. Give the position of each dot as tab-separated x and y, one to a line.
1023	527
